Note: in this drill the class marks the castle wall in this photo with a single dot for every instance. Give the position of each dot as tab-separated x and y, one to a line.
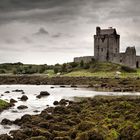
85	59
128	58
100	47
138	61
114	43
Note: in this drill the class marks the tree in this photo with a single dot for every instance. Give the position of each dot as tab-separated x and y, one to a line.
64	67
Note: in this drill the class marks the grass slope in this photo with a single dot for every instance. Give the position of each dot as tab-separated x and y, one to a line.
103	69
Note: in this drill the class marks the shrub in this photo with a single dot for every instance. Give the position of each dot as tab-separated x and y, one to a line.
2	71
81	63
86	65
73	64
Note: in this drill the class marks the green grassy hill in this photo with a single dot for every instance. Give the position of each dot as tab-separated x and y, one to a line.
98	69
103	69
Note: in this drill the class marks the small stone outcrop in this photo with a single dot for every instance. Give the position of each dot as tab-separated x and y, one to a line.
24	98
43	94
22	107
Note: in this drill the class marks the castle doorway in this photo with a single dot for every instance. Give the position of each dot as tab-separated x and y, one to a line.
137	64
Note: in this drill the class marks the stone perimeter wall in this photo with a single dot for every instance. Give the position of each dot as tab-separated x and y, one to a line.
127	58
85	59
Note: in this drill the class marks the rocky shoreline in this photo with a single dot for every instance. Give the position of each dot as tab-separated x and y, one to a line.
99	118
106	84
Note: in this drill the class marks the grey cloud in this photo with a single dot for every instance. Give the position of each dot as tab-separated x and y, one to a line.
64	23
10	41
49	10
27	40
58	35
42	31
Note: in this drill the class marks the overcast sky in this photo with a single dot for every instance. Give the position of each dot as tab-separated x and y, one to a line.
55	31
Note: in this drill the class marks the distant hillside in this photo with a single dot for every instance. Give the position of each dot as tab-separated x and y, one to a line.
67	69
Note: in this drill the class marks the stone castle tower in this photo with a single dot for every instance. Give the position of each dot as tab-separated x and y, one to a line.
107	49
106	44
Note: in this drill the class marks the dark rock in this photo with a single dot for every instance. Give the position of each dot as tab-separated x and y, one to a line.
6	127
63	102
45	125
7	92
55	102
36	111
2	95
24	98
51	87
61	109
24	119
12	101
22	107
18	90
73	86
43	94
62	86
6	122
23	92
117	90
14	111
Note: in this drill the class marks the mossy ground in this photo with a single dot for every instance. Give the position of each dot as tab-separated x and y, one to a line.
100	118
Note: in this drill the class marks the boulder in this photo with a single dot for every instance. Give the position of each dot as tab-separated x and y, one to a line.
17	90
62	86
36	111
7	92
43	94
22	107
73	86
6	122
24	98
56	103
63	102
12	101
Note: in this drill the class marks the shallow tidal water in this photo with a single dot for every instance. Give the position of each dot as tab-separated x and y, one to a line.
33	103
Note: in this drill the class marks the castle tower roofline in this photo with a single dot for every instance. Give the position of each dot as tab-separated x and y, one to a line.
108	31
